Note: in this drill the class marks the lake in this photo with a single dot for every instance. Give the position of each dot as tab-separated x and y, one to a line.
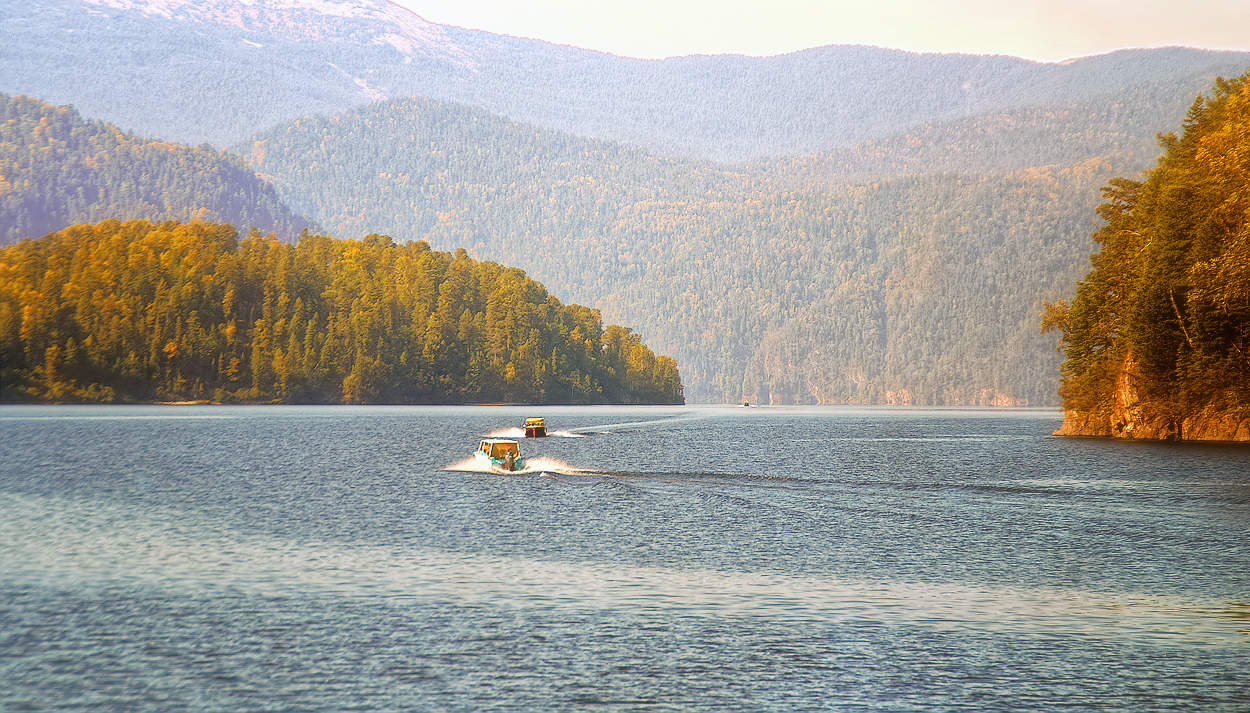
211	558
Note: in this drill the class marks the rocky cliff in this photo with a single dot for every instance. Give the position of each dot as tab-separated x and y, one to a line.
1136	417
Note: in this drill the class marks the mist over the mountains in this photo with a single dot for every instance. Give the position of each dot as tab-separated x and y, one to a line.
219	72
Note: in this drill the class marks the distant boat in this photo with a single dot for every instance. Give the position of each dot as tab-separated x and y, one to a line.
500	453
535	428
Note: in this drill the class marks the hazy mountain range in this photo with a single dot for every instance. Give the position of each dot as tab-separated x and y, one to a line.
842	224
220	71
926	287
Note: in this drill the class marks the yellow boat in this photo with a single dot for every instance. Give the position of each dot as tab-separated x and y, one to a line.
500	453
535	428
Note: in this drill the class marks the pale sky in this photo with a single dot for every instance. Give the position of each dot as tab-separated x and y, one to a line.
1037	29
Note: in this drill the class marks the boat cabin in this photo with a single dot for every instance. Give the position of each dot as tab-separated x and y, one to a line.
497	449
535	428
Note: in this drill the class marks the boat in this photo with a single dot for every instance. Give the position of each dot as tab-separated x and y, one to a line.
500	453
535	428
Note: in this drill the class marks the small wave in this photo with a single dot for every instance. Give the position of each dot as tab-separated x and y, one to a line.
566	434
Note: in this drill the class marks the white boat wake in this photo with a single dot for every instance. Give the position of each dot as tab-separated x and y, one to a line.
506	433
539	465
520	433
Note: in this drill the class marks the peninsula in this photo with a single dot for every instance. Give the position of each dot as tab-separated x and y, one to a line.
1157	338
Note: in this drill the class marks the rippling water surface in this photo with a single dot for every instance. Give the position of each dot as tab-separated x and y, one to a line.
339	558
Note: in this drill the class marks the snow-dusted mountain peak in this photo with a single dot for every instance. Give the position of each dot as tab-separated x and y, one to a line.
387	22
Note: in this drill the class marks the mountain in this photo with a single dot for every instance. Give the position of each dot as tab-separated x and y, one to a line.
762	283
841	224
1123	124
221	71
177	311
57	169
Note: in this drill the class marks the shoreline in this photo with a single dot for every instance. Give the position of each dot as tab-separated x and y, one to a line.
1139	424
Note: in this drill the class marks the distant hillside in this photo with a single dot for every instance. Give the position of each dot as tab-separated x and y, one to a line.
57	169
222	71
920	289
1123	124
170	311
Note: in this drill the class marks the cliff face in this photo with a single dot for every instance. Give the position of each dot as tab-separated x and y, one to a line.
1133	417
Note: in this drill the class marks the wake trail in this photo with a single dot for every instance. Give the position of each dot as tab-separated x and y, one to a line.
516	433
584	431
685	416
539	465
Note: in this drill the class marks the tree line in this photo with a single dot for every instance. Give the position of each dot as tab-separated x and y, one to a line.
1168	295
142	311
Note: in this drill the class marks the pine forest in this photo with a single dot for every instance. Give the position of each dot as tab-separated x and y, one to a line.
141	311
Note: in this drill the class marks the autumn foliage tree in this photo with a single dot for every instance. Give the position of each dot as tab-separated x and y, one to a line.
178	311
1170	289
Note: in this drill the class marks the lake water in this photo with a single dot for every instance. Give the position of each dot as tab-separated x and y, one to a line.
327	559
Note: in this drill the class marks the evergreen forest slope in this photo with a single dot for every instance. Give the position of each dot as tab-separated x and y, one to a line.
221	71
1157	338
765	285
181	311
57	169
1122	125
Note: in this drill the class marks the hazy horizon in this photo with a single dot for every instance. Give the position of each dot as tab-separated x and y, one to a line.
1046	32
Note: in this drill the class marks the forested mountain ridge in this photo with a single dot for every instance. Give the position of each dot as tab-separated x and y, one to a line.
763	286
222	71
1122	124
58	169
1157	338
172	311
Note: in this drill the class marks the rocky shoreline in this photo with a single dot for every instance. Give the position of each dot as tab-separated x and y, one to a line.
1134	417
1206	426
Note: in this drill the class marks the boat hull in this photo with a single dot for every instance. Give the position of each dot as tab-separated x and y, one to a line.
498	463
